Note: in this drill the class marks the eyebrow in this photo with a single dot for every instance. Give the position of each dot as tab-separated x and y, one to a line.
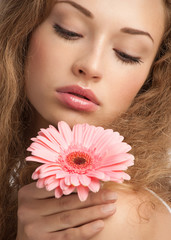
136	32
87	13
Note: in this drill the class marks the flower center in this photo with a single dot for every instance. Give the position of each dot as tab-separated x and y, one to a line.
78	160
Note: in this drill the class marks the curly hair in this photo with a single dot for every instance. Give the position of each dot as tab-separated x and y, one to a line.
146	124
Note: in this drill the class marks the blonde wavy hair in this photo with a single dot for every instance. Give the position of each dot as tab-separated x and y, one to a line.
146	125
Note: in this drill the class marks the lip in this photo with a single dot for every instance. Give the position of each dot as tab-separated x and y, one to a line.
85	101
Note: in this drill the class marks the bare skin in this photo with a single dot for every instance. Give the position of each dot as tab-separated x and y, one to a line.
102	58
139	216
41	216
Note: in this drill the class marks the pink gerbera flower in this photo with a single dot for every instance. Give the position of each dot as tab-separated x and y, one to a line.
79	159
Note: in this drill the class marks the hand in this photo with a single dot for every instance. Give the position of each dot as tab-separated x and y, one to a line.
43	217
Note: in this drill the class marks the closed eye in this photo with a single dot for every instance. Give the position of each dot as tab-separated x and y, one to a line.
125	58
66	34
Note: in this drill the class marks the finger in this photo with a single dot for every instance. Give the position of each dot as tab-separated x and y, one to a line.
31	190
75	218
72	202
84	232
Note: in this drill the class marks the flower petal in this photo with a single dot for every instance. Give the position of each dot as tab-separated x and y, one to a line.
82	193
115	167
91	134
36	159
65	132
78	134
49	133
119	148
69	190
45	155
43	143
47	174
118	176
94	185
61	174
84	180
116	159
75	180
68	180
58	138
49	167
96	174
35	175
104	141
106	178
40	183
63	186
53	185
58	192
50	180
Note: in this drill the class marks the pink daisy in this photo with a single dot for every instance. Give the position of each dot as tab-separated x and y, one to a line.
79	159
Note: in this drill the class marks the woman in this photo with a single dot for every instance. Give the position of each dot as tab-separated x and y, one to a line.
50	52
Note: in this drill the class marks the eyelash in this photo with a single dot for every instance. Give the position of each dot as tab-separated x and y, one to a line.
68	35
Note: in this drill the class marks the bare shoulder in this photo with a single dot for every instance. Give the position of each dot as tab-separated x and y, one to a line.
139	216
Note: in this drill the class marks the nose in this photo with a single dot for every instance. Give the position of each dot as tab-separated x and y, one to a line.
88	67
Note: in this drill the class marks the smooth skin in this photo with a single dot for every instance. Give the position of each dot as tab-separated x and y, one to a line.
139	216
108	57
41	216
95	59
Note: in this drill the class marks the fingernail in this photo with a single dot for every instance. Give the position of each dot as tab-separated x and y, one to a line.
109	196
97	226
108	208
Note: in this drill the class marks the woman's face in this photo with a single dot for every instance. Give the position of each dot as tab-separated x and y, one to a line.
88	60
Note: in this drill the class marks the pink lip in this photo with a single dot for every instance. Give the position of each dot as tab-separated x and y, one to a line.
87	100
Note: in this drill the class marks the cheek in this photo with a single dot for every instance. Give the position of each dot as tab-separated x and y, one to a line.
129	89
40	59
45	60
125	87
37	68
